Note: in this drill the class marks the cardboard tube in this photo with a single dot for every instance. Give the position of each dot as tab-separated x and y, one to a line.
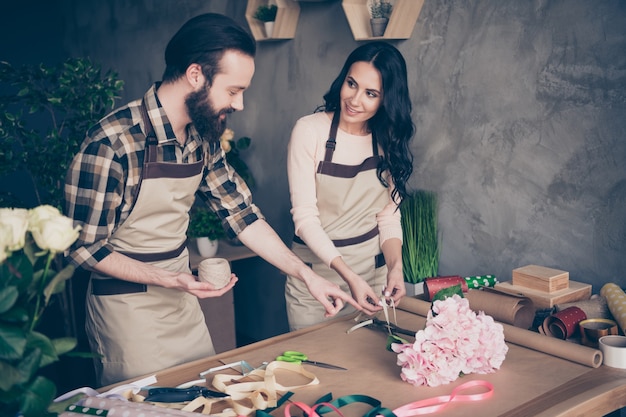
526	338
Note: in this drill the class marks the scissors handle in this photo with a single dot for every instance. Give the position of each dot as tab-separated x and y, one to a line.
292	356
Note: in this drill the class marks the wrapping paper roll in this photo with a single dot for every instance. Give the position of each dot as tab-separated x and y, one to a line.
479	281
549	345
435	284
616	300
595	308
505	308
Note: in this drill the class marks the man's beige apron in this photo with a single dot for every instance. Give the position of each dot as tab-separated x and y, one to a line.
348	199
139	329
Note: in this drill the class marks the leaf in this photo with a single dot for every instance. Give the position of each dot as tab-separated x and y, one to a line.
63	345
57	283
448	292
243	143
392	338
10	376
12	342
8	297
38	397
40	341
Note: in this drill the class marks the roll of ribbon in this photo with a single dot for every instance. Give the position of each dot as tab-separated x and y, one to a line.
479	281
563	324
435	284
616	300
591	330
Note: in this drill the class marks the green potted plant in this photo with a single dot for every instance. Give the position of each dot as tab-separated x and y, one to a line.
266	13
380	10
45	112
420	248
206	228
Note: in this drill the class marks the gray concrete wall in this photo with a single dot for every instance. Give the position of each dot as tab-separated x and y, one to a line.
519	106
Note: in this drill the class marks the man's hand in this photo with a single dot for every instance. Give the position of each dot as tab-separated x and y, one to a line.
264	241
122	267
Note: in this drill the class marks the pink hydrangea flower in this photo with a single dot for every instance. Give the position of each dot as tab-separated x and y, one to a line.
456	340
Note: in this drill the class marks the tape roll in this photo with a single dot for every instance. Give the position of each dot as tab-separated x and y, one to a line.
591	330
613	349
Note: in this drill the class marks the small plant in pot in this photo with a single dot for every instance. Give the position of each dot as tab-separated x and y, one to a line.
380	11
206	228
420	248
266	13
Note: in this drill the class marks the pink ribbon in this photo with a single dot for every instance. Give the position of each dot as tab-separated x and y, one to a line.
434	404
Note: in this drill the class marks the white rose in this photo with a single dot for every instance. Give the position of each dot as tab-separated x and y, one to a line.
55	234
5	232
41	213
16	222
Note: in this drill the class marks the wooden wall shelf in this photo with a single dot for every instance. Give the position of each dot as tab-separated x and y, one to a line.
401	22
286	20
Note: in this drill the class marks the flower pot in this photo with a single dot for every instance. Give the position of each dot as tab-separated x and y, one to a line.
269	29
379	25
413	289
206	248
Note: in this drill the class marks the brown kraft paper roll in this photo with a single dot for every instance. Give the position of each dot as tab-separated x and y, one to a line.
505	308
526	338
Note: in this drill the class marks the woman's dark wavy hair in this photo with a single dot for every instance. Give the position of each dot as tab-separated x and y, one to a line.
392	123
203	40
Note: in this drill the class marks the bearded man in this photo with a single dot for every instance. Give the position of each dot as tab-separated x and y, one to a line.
130	188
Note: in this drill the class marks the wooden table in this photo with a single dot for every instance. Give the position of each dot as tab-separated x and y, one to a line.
529	383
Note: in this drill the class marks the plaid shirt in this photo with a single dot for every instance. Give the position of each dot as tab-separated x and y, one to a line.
102	178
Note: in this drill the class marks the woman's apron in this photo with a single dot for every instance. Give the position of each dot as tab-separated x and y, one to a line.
139	329
348	197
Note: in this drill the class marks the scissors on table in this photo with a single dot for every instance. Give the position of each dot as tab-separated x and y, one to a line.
299	357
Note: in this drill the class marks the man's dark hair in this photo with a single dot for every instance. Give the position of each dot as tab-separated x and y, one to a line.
203	40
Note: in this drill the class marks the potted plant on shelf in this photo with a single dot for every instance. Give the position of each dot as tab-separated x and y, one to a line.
266	13
206	228
380	11
420	248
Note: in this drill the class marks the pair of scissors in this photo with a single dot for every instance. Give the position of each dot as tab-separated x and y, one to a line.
299	357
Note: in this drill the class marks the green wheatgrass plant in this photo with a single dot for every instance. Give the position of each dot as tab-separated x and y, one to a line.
420	250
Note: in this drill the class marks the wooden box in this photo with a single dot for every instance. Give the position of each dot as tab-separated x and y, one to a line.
575	292
541	278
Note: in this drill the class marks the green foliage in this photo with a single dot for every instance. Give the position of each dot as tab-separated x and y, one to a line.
420	249
62	102
266	13
203	222
234	159
27	280
380	9
448	292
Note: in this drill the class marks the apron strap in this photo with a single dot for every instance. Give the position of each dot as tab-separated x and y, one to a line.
332	136
331	143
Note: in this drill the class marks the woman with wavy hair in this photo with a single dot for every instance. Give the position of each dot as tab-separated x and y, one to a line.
348	165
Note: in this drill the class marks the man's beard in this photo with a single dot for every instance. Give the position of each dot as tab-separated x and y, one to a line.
204	117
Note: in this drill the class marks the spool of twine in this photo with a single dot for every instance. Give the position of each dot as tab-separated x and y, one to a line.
215	271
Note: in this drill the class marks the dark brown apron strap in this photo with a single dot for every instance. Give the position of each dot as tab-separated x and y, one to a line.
332	137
